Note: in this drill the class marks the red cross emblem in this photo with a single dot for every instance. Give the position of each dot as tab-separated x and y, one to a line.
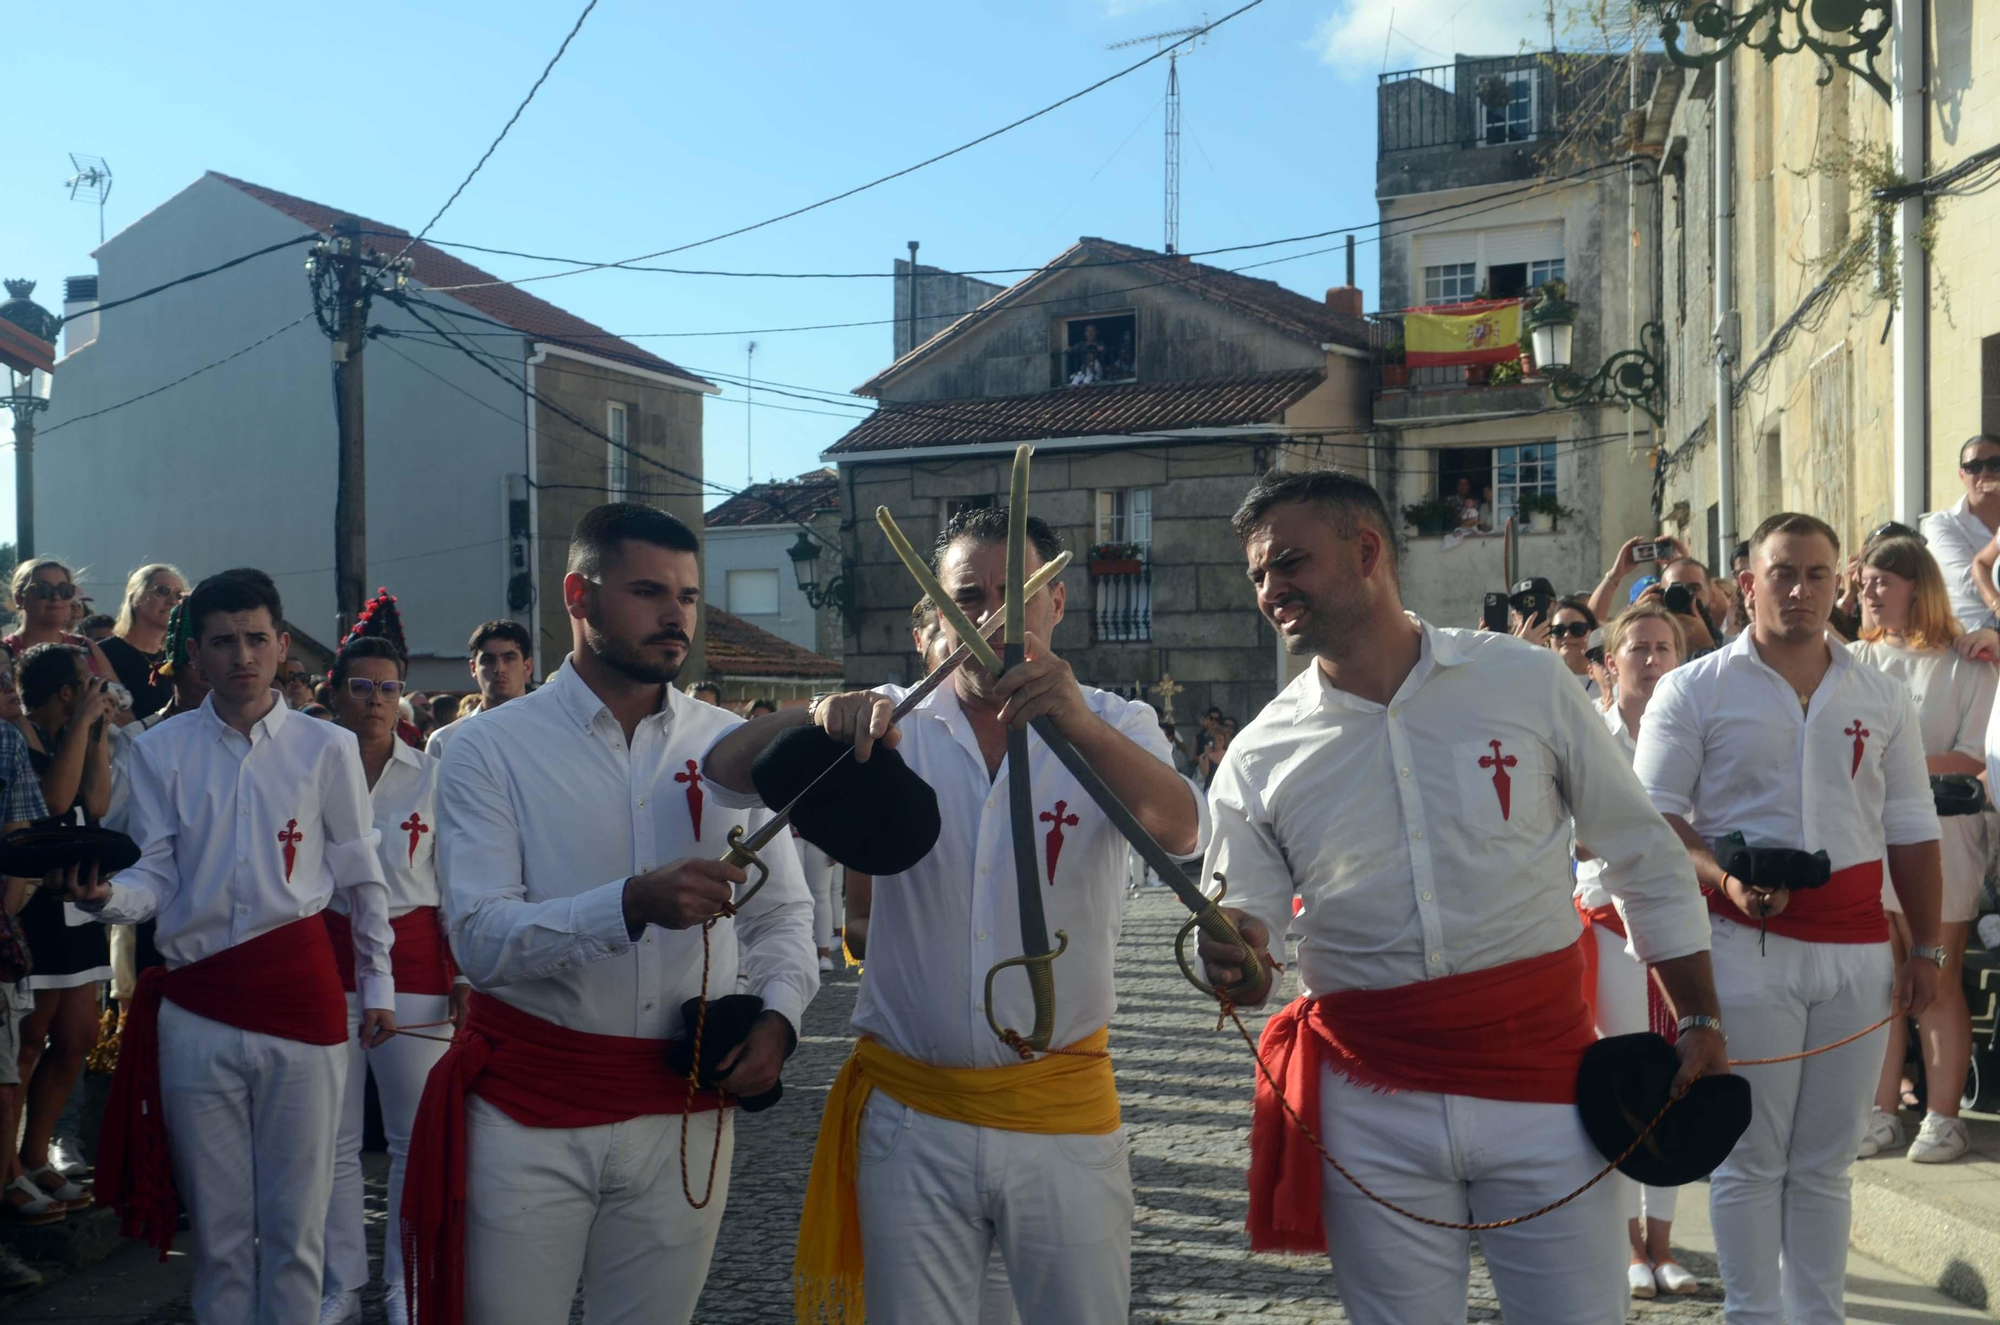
1503	786
693	779
416	828
1056	820
290	837
1860	735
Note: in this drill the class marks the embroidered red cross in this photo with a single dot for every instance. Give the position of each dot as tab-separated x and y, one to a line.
416	828
1860	735
1503	786
290	837
1056	820
693	779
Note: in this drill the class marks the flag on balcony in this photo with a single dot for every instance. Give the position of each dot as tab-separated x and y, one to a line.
1485	331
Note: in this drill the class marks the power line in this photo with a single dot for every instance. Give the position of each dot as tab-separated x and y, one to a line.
186	377
207	271
495	144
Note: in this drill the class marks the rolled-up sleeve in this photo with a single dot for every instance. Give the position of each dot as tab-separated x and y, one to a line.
498	937
1668	760
775	932
356	870
1909	811
1646	869
1243	848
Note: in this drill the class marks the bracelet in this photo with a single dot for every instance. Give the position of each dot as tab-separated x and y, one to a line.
1700	1021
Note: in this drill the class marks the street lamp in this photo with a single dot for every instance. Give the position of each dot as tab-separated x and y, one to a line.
1627	378
1849	33
839	591
28	359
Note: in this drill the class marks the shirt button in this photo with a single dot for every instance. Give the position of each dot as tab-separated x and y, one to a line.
1406	772
1418	834
649	1007
984	870
981	934
1395	711
1427	897
1436	958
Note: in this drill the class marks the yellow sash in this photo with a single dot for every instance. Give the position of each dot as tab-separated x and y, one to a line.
1071	1092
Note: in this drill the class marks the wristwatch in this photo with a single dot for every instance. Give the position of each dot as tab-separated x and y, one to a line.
820	697
1700	1021
1931	953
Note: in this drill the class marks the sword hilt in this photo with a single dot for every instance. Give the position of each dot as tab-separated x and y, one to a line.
1217	926
744	857
1040	971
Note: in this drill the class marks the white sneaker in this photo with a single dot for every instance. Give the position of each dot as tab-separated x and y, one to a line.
1674	1278
66	1155
1639	1277
825	962
340	1308
1940	1140
1884	1132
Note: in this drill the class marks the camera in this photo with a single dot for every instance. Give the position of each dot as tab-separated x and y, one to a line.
1679	599
1532	598
1645	552
121	698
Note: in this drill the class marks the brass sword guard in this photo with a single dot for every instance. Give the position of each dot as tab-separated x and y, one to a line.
744	858
1042	982
1217	926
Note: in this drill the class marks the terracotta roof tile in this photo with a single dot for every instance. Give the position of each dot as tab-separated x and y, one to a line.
1082	411
436	269
737	648
783	502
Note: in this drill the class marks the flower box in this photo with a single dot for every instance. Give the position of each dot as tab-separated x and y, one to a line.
1116	566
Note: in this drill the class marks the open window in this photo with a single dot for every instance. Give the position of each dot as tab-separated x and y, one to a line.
1100	348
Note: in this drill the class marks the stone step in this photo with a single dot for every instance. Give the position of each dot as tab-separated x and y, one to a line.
1938	1223
82	1238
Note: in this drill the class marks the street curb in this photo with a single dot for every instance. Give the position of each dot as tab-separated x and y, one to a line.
1926	1240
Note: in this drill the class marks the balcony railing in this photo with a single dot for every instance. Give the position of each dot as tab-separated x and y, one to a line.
1391	374
1473	103
1124	606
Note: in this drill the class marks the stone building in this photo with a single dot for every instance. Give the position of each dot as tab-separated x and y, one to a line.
1155	390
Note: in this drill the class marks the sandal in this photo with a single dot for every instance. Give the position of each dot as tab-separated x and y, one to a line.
37	1209
66	1192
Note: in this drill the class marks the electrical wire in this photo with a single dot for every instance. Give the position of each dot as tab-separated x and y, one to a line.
206	271
185	377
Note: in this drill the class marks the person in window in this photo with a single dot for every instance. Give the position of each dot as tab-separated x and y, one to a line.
1124	362
134	648
1086	357
43	591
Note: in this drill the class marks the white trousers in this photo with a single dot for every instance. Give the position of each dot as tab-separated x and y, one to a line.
251	1121
1781	1203
1621	1010
1466	1160
937	1197
820	871
400	1068
547	1206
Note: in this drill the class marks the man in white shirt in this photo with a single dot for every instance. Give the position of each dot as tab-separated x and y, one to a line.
1415	787
578	843
941	1182
1784	738
1956	534
249	817
501	658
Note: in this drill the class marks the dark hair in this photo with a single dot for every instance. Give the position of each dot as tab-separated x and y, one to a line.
97	621
1344	496
765	704
1575	603
700	686
513	632
1794	522
366	646
595	541
988	524
1213	712
922	615
443	704
1975	440
46	669
1740	550
244	589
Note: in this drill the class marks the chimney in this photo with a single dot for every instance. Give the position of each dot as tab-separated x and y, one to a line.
79	312
1344	299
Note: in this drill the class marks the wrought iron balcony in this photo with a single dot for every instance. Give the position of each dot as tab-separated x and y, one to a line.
1473	103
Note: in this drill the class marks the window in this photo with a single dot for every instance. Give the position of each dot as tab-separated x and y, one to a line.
1465	474
955	505
1451	283
1521	471
1513	122
753	592
1100	349
1542	272
1123	610
616	458
1125	515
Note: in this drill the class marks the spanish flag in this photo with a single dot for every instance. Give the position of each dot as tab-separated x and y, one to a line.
1485	331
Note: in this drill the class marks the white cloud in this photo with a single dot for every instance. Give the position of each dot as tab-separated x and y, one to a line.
1426	32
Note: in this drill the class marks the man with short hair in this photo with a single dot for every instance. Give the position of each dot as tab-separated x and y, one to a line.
1785	739
295	679
707	692
578	839
759	707
1416	788
1957	533
500	656
248	817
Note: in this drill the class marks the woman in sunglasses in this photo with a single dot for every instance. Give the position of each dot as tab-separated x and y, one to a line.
44	592
137	644
1570	628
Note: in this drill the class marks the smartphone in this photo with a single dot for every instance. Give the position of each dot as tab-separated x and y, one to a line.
1645	552
1494	615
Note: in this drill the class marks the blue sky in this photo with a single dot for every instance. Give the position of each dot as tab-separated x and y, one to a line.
665	124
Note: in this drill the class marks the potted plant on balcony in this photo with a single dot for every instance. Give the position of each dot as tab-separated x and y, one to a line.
1395	372
1505	374
1431	516
1542	512
1495	92
1115	559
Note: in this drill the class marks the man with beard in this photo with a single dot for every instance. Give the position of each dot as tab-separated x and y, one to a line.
1784	738
1415	787
500	656
578	841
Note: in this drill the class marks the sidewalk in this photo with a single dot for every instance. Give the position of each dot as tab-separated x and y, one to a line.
1937	1222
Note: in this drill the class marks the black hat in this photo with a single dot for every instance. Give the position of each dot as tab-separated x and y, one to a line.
1623	1084
878	817
1957	794
1772	867
728	1025
1531	593
45	847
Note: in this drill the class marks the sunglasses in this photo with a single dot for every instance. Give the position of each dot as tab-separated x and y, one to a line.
1990	465
1573	630
361	687
1895	530
45	591
166	591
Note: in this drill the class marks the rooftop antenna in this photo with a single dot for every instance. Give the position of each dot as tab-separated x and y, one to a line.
90	183
1171	41
749	411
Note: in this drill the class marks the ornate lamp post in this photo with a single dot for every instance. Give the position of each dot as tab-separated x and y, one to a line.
1627	378
1849	33
839	591
27	395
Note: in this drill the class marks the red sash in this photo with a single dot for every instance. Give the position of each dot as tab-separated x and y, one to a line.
540	1075
420	960
281	983
1847	908
1659	1016
1512	1032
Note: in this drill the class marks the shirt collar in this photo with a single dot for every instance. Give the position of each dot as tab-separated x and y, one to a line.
402	752
1438	650
1744	648
583	705
268	725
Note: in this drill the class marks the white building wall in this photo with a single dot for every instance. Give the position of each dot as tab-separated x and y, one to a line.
760	547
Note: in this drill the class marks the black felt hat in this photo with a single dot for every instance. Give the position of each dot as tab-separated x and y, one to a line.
1623	1084
46	847
878	817
728	1025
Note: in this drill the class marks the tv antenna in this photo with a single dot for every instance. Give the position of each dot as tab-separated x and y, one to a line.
749	413
90	183
1172	40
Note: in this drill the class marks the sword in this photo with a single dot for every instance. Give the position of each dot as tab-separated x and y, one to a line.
1207	917
744	848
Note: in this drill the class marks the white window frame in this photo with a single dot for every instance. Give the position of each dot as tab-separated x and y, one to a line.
1515	77
735	608
1507	493
1125	515
617	460
1451	283
1543	270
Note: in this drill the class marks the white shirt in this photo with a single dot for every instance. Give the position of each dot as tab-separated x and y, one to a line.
1590	890
241	836
544	812
123	738
1955	535
404	801
435	745
1726	746
1416	855
936	929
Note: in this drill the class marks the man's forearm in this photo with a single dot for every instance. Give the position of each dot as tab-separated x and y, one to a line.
1689	983
730	758
1917	872
1157	796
